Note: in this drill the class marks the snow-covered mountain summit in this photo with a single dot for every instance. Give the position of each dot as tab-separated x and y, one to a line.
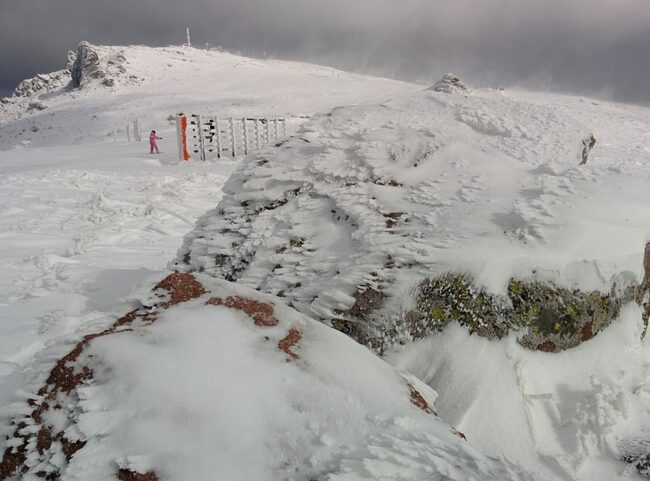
103	88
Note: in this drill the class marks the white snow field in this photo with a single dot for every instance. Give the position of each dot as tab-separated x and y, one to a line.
485	183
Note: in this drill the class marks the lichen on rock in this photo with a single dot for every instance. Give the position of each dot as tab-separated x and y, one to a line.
558	318
453	298
546	317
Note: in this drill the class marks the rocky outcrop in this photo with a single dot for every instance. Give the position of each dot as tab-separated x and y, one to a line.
41	84
69	63
68	428
587	144
449	84
545	317
86	65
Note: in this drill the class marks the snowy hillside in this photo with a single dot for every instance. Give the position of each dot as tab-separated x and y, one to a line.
150	84
391	184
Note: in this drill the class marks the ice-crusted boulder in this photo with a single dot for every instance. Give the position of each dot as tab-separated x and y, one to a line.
209	380
449	84
346	220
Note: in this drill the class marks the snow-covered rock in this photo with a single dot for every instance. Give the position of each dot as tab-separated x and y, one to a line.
86	65
209	380
345	219
42	83
449	84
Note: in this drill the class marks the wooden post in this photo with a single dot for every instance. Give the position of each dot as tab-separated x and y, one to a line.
218	137
257	133
284	127
128	133
180	137
245	133
137	136
268	131
114	134
199	126
275	127
232	136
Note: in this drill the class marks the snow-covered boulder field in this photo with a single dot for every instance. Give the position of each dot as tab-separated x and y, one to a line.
209	380
347	218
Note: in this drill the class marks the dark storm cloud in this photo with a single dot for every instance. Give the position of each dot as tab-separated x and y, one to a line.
575	45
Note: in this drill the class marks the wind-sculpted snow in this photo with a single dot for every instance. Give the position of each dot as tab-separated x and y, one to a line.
209	380
349	214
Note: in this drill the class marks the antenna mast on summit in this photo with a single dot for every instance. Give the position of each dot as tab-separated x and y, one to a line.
187	31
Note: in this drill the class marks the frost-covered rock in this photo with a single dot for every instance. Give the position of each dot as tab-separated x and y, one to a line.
345	220
587	144
214	381
86	65
41	83
449	84
69	63
36	106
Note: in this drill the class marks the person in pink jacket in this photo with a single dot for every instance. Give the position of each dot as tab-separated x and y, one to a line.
153	147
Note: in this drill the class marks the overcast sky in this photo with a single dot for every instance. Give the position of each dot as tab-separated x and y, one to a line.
597	47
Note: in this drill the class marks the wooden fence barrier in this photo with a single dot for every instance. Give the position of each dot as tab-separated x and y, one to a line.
205	138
